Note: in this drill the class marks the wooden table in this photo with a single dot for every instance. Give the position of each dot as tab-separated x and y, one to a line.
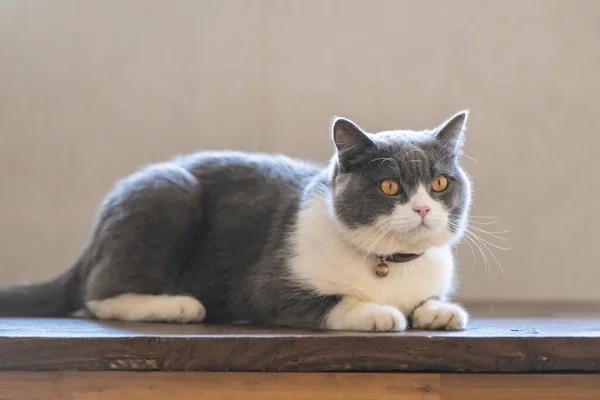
503	355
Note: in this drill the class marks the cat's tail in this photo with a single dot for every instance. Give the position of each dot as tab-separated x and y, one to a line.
58	297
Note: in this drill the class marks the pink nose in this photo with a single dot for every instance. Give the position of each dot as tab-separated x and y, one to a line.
422	210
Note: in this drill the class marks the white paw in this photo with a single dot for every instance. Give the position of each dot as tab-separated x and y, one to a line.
437	315
356	315
190	309
384	319
142	307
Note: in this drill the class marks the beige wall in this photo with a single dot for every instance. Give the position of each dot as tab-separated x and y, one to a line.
91	90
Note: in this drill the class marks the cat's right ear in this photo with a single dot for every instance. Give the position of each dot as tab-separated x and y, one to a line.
350	141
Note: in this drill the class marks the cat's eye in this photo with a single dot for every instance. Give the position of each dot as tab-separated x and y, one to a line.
389	187
439	184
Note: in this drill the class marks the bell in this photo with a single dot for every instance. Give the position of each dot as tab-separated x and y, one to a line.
382	269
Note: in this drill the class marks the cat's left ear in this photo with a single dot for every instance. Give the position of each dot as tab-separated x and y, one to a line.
452	132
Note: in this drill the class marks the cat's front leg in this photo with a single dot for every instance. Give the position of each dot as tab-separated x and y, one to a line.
357	315
435	314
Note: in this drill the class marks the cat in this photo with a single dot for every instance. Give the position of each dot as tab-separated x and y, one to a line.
363	243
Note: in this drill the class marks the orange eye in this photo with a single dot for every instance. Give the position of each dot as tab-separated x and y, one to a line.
439	184
389	187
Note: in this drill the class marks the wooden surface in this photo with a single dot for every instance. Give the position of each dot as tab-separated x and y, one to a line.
292	386
564	343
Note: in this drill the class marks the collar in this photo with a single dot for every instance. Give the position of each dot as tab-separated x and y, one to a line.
400	257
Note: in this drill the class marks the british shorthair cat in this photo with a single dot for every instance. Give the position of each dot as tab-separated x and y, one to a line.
364	243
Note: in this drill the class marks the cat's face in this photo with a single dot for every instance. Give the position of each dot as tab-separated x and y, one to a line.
400	191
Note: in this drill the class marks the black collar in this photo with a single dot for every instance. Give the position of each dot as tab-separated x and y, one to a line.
400	257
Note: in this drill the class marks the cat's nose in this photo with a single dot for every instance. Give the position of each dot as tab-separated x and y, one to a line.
421	210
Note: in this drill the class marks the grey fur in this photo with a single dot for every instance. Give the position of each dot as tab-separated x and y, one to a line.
216	226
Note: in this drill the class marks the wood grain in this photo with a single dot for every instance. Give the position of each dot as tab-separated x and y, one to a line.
291	386
184	386
518	386
489	345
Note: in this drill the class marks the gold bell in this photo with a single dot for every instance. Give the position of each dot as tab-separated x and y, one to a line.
382	269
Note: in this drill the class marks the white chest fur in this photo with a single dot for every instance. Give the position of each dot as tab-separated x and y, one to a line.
330	265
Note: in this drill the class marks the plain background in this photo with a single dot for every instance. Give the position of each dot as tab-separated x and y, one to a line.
89	91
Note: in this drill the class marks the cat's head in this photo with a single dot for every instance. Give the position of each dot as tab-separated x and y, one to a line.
400	191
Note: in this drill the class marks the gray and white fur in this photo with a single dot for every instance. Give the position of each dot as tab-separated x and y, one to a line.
266	239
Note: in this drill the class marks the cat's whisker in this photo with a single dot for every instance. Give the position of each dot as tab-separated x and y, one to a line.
474	216
483	223
441	159
470	158
483	255
483	243
388	237
474	259
493	234
338	216
384	159
472	252
384	231
374	227
487	242
468	230
487	220
451	175
440	151
410	151
377	238
377	225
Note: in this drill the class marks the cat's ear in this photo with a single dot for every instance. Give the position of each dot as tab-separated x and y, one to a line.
452	132
350	141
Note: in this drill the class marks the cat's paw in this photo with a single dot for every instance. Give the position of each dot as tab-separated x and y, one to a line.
190	309
438	315
362	316
142	307
385	319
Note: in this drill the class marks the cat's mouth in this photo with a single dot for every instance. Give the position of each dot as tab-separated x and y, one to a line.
422	227
413	229
426	224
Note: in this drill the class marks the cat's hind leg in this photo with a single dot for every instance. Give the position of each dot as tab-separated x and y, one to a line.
145	233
